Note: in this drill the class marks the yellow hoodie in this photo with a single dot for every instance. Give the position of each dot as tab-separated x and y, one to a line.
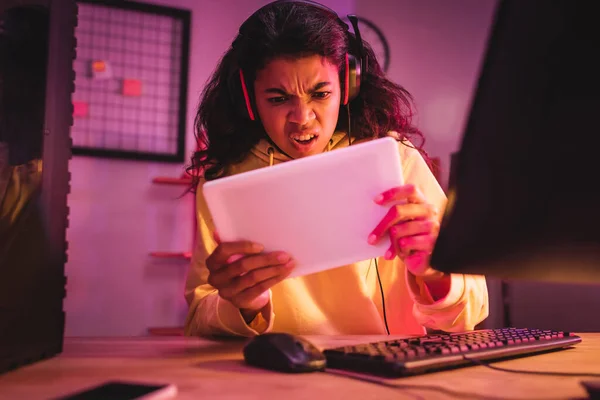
344	300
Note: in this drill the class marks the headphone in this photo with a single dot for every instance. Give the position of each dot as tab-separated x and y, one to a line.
355	65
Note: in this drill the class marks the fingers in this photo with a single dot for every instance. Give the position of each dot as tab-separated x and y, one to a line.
258	279
400	213
406	246
407	229
224	275
415	252
410	205
240	270
414	227
410	193
224	251
411	244
246	296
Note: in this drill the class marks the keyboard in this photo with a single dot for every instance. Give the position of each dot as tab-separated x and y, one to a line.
435	352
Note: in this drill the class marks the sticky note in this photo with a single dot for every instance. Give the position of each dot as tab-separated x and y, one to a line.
101	69
132	87
80	109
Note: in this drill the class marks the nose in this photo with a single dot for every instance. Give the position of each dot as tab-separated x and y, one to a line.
301	113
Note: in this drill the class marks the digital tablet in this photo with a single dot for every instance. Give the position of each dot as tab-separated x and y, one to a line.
319	209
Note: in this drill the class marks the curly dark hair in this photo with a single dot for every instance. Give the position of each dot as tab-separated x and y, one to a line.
291	29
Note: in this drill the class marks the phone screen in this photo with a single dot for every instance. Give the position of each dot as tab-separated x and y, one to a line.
123	391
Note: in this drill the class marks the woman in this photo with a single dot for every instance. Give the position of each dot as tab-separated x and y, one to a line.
295	83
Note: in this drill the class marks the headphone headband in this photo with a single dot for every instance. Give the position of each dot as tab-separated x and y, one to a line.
307	2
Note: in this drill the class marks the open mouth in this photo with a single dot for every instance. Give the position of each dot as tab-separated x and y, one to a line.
305	139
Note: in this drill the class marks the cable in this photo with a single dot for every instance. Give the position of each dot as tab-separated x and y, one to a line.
382	297
349	129
518	371
398	385
387	328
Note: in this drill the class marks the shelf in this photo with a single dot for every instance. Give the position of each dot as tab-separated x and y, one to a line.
184	179
166	180
185	255
165	331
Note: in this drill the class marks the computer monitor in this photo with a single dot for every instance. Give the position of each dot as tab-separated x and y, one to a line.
524	201
37	45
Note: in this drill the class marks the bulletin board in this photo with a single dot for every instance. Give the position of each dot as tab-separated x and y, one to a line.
131	79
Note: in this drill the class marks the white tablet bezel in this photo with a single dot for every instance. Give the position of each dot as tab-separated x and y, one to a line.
334	192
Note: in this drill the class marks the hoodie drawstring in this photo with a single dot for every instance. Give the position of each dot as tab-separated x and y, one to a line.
271	152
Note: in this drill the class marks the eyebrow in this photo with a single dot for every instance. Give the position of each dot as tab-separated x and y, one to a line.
279	91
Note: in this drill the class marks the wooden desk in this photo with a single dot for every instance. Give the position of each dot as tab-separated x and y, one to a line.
205	369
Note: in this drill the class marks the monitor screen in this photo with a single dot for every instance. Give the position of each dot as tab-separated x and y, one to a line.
523	201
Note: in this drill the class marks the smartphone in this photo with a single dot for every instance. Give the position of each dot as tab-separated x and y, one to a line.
121	390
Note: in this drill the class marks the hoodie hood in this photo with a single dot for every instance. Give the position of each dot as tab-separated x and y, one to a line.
266	154
270	154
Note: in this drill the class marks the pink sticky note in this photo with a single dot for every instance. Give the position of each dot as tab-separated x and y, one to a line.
80	109
132	87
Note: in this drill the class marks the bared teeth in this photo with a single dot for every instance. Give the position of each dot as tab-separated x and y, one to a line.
303	138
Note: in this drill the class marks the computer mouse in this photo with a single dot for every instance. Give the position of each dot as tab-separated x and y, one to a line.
283	352
593	389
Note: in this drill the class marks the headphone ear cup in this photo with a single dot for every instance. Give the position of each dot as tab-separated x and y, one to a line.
354	77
